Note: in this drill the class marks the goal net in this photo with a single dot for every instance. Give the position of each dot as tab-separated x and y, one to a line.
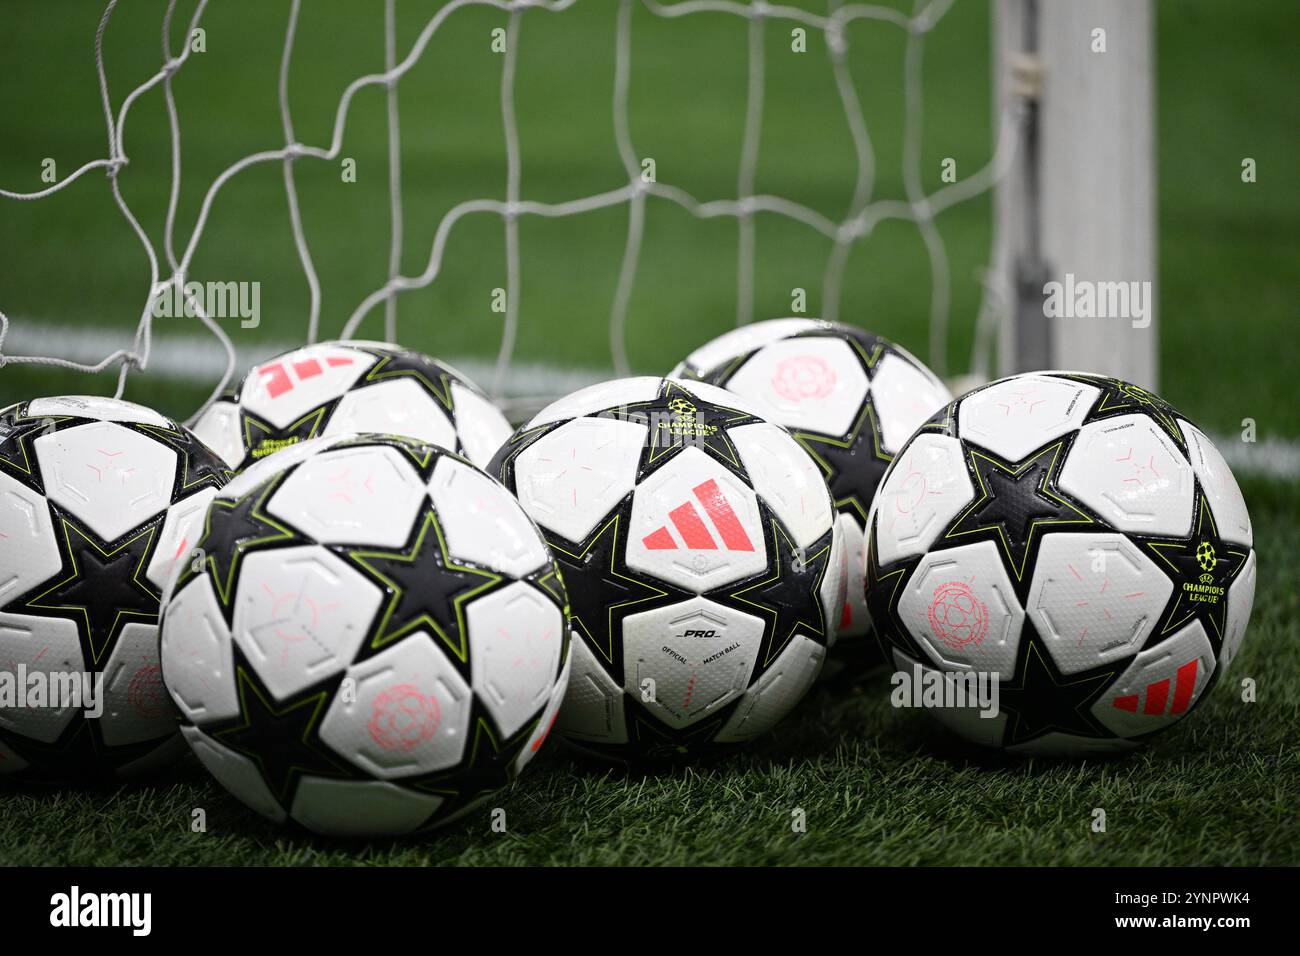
545	192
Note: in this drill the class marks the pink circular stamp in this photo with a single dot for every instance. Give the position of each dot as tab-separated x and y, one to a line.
803	377
957	617
145	692
402	718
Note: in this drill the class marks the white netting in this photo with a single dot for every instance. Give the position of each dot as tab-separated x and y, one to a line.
863	213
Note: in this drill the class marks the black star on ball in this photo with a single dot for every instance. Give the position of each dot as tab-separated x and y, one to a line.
233	529
884	588
1202	567
196	466
1124	398
1038	699
786	598
653	741
104	586
17	457
603	590
486	768
79	754
283	739
1016	503
261	438
678	419
425	587
853	465
424	371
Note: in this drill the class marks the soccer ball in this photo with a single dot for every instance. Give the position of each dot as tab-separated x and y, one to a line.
374	642
337	388
1075	539
98	498
849	397
704	566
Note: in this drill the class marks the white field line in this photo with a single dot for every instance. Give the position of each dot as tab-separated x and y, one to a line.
198	358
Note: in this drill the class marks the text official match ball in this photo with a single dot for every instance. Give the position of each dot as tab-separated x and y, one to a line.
704	567
849	397
1076	541
98	499
375	641
337	388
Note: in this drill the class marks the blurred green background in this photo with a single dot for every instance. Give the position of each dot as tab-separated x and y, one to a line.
1228	251
877	785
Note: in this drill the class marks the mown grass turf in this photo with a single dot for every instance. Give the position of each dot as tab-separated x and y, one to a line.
877	785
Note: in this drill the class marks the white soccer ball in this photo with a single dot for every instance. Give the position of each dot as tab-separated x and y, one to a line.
337	388
1076	543
98	499
849	397
375	641
704	566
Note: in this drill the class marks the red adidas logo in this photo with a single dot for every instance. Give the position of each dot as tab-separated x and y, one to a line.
276	376
1158	694
694	532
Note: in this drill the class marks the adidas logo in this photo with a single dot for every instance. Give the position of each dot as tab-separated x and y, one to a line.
692	529
1158	694
276	378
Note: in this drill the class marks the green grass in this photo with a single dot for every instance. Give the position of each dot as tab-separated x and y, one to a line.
878	786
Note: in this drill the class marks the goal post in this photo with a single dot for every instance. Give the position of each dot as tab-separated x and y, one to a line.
1075	217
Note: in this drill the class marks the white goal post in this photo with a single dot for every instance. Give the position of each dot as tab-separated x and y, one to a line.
1079	203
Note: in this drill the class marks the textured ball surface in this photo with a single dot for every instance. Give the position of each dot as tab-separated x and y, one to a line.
849	397
703	562
375	641
98	500
337	388
1076	539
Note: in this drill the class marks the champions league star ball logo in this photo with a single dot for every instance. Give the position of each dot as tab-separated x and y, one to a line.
1205	557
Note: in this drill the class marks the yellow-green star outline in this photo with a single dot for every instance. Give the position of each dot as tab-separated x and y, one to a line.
317	701
1158	548
286	533
50	420
138	576
1118	395
482	730
658	451
873	575
420	452
441	390
170	436
1017	568
382	638
868	412
269	430
774	649
1104	682
607	652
